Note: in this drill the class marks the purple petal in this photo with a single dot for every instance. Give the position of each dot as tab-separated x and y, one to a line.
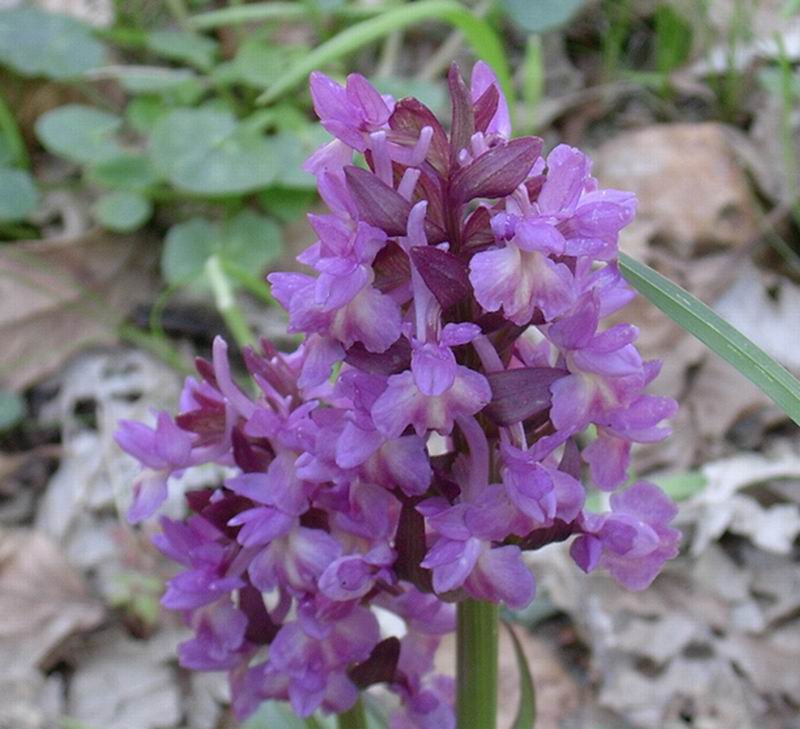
501	574
482	78
567	170
434	369
149	492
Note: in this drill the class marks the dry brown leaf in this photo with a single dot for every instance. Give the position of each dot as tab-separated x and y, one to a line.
61	295
767	310
127	684
43	601
721	506
671	167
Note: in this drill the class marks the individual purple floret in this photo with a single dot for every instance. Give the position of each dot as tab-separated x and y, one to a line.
456	394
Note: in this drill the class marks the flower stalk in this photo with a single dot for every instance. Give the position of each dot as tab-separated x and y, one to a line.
476	664
355	718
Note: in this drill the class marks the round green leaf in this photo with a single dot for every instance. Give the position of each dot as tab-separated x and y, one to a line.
208	152
122	211
250	241
18	194
292	149
79	133
538	16
191	48
12	409
257	63
126	172
38	43
143	112
186	249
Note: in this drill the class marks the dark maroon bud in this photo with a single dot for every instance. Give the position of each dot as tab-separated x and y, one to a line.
206	371
534	186
249	458
485	108
380	667
221	511
204	421
377	203
395	359
520	393
478	230
497	172
444	274
260	628
429	188
411	548
392	268
462	125
559	531
409	118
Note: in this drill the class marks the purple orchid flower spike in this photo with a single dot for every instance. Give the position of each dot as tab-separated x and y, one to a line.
433	425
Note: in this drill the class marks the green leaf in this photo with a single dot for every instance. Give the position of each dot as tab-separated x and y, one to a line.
478	33
250	241
286	205
208	152
272	11
151	79
6	151
430	93
122	211
681	486
257	62
186	249
247	243
539	16
18	194
38	43
125	172
279	715
184	47
673	42
143	112
12	409
730	344
291	151
526	712
79	133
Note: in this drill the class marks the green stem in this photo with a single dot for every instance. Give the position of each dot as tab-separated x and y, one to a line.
159	346
476	661
225	300
355	718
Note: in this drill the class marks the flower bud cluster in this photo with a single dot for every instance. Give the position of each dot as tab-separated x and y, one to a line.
433	425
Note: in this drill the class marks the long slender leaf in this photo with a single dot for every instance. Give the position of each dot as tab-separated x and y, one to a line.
728	342
479	34
266	12
526	713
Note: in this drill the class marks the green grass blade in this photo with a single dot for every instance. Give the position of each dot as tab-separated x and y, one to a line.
480	35
272	12
719	336
526	713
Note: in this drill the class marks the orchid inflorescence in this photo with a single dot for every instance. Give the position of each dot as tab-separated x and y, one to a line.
431	427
